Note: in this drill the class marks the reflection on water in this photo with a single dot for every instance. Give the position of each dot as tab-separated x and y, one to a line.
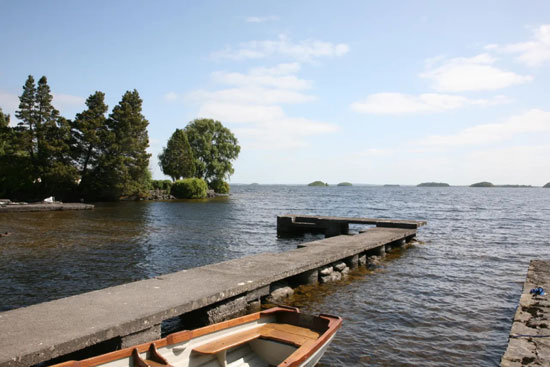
445	302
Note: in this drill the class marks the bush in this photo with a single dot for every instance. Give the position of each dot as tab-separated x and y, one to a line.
161	185
189	188
220	186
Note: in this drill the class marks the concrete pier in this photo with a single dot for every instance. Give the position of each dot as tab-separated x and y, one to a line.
529	342
43	207
132	313
291	224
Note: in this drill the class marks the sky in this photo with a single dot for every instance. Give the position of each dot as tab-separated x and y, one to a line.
374	92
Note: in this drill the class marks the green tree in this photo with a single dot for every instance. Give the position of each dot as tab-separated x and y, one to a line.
53	137
4	119
45	137
122	168
214	148
5	133
176	159
27	116
89	130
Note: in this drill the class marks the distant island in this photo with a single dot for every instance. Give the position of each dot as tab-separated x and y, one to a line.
344	184
254	184
547	186
482	184
489	184
433	184
318	183
391	185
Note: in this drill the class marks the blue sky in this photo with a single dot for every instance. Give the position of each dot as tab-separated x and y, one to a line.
360	91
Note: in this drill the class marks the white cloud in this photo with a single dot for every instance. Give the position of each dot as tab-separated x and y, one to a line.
373	152
258	86
252	95
470	74
279	77
253	19
401	104
9	103
531	53
254	101
533	121
171	96
266	126
63	101
306	50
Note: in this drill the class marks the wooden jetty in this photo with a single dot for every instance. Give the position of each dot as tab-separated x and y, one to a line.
132	313
529	341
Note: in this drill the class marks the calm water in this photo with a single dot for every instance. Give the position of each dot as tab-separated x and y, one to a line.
446	301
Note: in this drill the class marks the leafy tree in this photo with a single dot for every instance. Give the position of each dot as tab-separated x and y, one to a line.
122	168
89	130
214	148
176	159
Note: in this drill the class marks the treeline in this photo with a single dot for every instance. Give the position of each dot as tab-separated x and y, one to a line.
99	157
94	156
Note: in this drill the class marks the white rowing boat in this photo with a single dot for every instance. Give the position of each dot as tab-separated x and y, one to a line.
280	336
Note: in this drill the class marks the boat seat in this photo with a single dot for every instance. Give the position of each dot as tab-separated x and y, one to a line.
284	333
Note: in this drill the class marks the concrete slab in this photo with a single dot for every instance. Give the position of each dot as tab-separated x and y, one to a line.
40	332
529	342
44	207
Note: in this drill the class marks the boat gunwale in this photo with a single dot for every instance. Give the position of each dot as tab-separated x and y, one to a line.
293	360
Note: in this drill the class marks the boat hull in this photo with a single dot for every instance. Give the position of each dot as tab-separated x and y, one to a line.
280	336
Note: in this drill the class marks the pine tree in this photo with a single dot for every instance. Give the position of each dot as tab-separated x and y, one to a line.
45	136
27	115
122	169
5	133
176	160
89	130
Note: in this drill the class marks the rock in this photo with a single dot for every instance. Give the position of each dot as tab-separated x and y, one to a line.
279	291
362	260
345	271
340	266
210	194
333	277
326	271
373	261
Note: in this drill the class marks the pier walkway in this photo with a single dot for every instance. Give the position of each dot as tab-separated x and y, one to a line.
291	224
529	342
132	313
44	207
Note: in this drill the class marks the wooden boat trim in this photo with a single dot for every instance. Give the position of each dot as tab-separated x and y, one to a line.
304	351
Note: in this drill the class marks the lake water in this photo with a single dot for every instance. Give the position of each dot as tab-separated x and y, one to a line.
445	301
